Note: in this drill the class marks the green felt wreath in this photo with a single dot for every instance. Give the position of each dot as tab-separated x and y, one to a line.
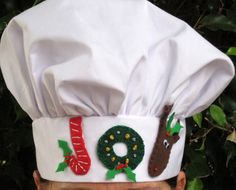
115	163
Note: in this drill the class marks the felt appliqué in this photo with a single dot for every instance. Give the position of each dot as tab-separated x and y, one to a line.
167	137
130	174
118	164
80	162
66	153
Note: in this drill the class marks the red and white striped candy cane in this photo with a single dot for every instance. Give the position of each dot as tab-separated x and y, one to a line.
80	163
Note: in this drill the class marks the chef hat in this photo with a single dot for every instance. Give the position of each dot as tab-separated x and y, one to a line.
108	85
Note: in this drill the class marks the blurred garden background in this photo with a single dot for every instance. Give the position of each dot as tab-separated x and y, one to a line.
210	153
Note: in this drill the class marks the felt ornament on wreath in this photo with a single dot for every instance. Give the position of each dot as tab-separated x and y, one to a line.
166	138
79	163
118	164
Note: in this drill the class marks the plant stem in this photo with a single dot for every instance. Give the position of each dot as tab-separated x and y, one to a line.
36	2
198	21
180	6
216	126
202	136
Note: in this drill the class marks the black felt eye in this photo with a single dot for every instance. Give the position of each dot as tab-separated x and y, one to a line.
166	144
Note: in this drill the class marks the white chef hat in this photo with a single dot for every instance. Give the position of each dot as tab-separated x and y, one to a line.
108	85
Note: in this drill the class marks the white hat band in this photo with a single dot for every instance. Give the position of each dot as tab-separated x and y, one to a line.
47	132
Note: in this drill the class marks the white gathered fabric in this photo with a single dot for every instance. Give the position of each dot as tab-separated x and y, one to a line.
109	58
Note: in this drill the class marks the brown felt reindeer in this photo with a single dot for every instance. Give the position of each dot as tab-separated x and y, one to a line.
166	138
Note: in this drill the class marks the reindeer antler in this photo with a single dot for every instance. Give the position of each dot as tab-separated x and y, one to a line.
176	129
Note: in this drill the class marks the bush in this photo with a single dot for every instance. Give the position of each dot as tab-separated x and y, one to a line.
210	153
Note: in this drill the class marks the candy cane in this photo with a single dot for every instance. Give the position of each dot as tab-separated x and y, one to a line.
80	162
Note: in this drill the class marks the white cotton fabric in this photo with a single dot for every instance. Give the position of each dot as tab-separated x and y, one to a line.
49	155
109	58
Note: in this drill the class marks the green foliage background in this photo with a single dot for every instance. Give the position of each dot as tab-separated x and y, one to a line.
210	153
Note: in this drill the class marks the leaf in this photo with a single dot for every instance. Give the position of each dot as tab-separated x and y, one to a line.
21	137
231	13
195	184
16	172
218	22
202	147
4	20
198	166
232	87
168	128
64	146
230	148
130	174
198	119
37	2
218	115
62	166
176	129
20	114
232	51
112	173
228	103
229	157
232	137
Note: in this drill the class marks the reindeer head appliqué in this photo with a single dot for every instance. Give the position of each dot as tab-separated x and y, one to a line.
167	137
